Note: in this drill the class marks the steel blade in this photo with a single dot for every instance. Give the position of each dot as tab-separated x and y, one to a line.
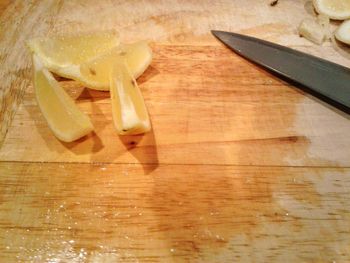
328	79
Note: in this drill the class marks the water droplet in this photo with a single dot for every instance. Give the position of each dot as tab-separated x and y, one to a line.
71	241
172	250
219	237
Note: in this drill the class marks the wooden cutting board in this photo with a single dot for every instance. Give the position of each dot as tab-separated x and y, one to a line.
239	167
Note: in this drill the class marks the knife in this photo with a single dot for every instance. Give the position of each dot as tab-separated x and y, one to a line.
322	78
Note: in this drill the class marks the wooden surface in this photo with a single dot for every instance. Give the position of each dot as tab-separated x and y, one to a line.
240	165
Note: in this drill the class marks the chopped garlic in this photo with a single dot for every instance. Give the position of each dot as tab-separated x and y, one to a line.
312	31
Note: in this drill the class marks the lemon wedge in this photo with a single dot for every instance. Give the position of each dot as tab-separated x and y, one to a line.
96	72
335	9
129	111
64	54
64	118
343	32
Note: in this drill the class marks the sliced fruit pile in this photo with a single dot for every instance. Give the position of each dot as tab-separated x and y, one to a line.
317	30
98	61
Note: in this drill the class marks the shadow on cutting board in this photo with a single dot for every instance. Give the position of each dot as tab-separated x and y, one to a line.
85	145
146	153
91	142
149	74
317	97
144	146
206	211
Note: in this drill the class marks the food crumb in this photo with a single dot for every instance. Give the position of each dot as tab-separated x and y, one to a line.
92	71
273	3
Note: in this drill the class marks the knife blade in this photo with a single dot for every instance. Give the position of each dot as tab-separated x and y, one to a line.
324	78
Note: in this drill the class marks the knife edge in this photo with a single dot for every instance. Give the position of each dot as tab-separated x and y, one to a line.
318	76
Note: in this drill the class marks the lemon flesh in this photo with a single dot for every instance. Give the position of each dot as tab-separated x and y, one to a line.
64	54
129	111
343	32
64	118
335	9
96	72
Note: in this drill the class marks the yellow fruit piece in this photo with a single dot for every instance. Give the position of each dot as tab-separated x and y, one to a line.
96	72
64	118
64	54
335	9
343	32
128	107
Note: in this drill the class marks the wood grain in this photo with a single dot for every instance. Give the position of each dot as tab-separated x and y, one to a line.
227	112
177	213
3	5
19	22
184	22
240	166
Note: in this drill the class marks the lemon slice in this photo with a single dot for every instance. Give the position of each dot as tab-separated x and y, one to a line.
64	54
335	9
343	32
64	118
130	114
96	72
